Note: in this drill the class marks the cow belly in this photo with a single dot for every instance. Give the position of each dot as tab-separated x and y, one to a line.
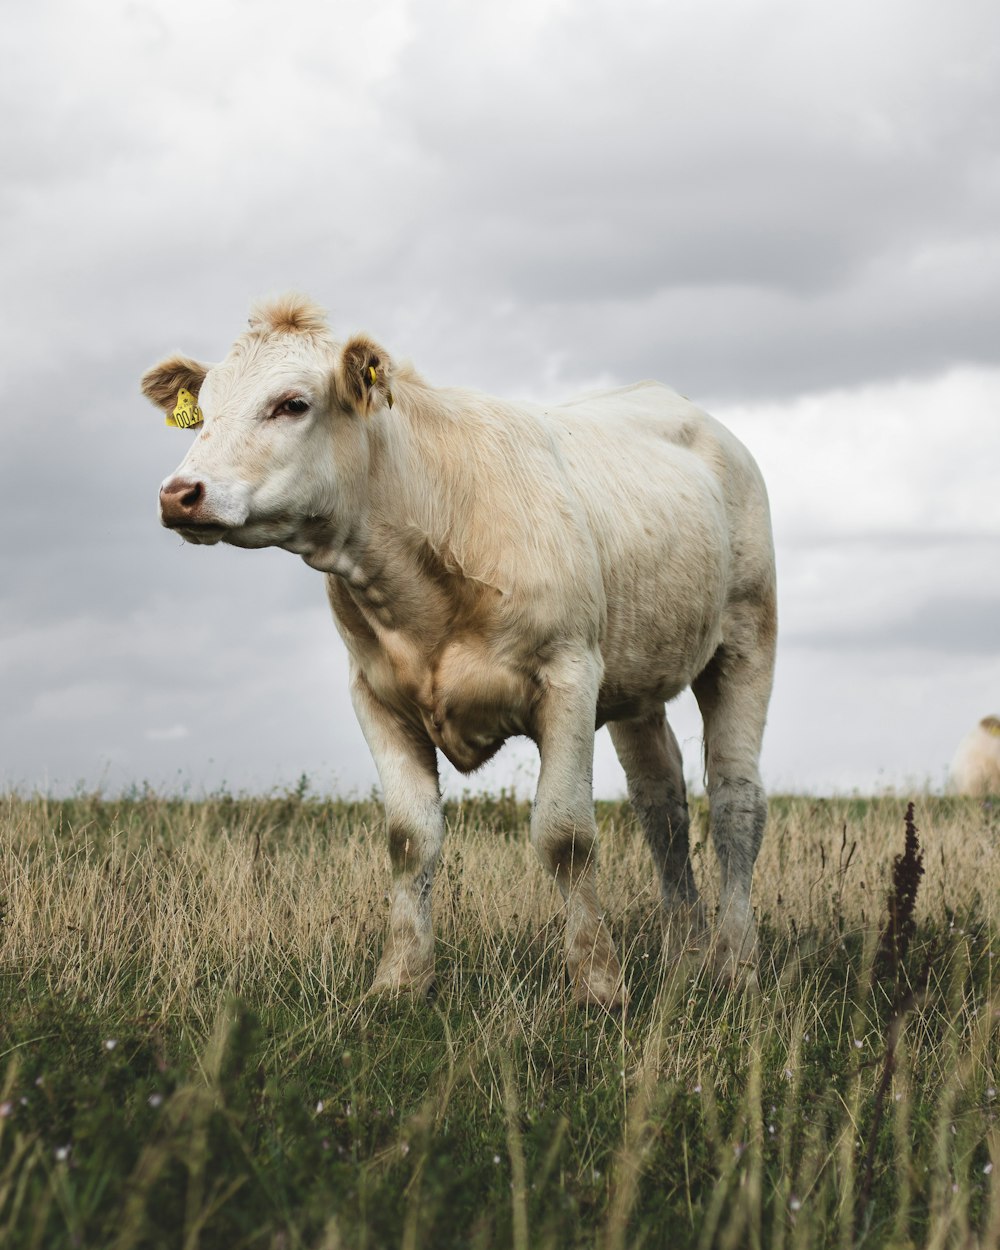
654	665
662	629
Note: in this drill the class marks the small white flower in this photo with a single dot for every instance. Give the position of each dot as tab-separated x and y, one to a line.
496	1158
987	1168
991	1091
697	1088
62	1153
794	1204
111	1043
319	1107
858	1043
155	1100
6	1109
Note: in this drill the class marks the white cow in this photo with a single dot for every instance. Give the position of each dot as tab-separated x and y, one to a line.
498	569
975	769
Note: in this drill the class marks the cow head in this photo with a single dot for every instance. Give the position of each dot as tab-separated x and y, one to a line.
282	450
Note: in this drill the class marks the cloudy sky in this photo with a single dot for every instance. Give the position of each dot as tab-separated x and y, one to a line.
789	211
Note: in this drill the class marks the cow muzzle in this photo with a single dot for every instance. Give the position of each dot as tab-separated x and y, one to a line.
201	510
182	502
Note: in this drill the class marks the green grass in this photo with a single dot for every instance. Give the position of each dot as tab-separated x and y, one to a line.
188	1058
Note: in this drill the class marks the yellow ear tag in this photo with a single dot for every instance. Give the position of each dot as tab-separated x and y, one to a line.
374	378
186	414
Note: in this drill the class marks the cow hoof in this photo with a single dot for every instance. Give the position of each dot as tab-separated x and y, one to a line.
598	980
730	966
417	991
603	992
731	955
394	980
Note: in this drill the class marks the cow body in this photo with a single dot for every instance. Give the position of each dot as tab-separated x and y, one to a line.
502	569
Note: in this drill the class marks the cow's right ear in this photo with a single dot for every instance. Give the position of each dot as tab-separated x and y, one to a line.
364	376
165	381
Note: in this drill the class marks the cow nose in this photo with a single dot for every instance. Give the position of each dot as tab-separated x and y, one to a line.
180	500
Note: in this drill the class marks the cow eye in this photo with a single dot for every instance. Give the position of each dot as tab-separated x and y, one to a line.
294	406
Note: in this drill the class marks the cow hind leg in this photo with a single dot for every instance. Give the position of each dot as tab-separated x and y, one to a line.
733	693
651	758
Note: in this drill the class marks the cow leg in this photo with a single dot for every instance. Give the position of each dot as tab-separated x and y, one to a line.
733	693
651	758
563	828
407	769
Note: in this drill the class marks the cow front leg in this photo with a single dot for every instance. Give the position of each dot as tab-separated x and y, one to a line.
407	768
563	829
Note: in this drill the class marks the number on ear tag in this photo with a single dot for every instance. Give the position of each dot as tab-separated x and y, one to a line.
186	415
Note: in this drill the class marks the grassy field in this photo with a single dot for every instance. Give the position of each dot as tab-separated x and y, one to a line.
187	1057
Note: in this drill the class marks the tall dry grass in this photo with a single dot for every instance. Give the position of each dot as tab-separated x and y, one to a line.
163	912
178	900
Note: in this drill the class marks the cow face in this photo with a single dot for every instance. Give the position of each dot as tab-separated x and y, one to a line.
281	454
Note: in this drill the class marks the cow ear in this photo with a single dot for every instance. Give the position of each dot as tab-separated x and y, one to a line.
165	381
364	376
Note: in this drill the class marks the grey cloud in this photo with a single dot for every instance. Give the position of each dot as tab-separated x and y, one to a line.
629	169
962	625
640	190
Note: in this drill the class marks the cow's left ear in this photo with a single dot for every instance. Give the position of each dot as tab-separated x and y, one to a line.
164	381
364	376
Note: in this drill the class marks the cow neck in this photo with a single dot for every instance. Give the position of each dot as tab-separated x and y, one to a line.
394	557
408	576
389	579
382	570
